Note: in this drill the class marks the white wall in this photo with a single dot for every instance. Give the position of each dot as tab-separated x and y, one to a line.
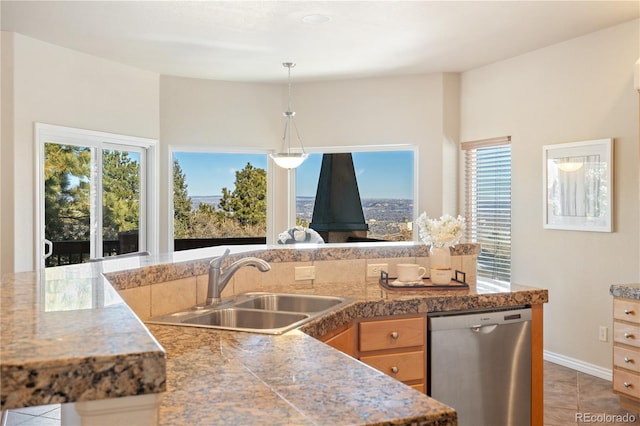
60	86
382	111
376	111
6	165
578	90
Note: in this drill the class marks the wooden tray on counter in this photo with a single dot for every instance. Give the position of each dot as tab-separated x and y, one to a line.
456	284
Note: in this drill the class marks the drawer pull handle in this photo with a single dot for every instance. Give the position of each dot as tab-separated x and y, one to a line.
628	336
628	360
627	385
395	369
394	335
628	312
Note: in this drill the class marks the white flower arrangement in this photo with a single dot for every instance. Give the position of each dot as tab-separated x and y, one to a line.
443	232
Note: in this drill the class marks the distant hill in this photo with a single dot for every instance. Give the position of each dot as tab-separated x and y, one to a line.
386	209
212	200
384	215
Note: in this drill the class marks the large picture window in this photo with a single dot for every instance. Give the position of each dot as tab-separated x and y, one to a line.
385	181
219	199
488	204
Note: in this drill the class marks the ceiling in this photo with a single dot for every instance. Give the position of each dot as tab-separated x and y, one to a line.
248	41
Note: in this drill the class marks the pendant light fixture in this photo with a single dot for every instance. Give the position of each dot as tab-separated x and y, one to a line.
285	158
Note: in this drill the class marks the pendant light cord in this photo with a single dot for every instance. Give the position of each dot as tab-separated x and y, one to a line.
286	142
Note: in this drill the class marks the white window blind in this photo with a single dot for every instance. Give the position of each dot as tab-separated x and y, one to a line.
488	204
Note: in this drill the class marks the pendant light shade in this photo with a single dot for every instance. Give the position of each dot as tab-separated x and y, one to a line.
288	160
285	158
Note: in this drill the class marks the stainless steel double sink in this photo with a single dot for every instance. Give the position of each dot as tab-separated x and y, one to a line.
258	312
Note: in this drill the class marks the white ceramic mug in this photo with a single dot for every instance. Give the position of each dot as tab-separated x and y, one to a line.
441	275
410	272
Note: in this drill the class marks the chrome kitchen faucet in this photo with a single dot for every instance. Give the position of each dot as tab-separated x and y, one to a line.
219	278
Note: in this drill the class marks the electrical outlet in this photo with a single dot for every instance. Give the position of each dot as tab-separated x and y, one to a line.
603	333
373	269
305	273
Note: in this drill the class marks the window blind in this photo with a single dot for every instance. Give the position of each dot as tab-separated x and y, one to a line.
488	204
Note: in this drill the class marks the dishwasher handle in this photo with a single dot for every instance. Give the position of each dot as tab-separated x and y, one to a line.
484	328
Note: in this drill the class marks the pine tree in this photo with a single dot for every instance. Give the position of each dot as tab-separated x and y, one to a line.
120	193
247	203
181	203
67	192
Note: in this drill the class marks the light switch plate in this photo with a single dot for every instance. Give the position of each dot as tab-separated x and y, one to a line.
603	333
305	273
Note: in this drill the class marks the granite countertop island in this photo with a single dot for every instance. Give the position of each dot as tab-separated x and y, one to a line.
68	336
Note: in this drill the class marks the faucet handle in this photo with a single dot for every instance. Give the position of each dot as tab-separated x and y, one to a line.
216	262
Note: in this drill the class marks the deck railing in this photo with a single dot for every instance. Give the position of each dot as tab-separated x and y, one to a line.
73	252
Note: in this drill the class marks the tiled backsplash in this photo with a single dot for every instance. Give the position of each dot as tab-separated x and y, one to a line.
160	289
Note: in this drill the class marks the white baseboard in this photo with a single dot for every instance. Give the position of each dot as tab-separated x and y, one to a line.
576	364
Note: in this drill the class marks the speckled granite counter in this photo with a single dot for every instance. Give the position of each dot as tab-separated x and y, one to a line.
295	379
628	291
67	336
372	300
218	377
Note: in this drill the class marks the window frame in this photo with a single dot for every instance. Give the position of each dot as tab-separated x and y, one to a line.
470	148
365	148
98	141
279	179
172	149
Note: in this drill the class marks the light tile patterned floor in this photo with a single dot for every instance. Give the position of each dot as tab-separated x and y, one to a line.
567	395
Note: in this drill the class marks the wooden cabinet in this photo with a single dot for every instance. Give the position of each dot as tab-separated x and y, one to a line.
404	366
396	347
343	339
626	352
392	334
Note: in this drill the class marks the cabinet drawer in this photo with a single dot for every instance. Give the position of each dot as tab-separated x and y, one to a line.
626	310
401	366
392	334
626	383
626	333
628	359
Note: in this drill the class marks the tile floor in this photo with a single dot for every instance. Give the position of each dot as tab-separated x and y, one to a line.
567	395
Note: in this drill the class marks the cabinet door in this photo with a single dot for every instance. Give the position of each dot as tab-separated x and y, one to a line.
345	341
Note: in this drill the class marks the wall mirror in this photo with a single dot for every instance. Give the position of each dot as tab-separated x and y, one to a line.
578	185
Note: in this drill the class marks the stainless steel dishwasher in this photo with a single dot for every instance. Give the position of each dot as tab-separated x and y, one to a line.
479	363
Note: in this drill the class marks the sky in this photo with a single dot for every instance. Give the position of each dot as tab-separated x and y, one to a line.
207	173
380	174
